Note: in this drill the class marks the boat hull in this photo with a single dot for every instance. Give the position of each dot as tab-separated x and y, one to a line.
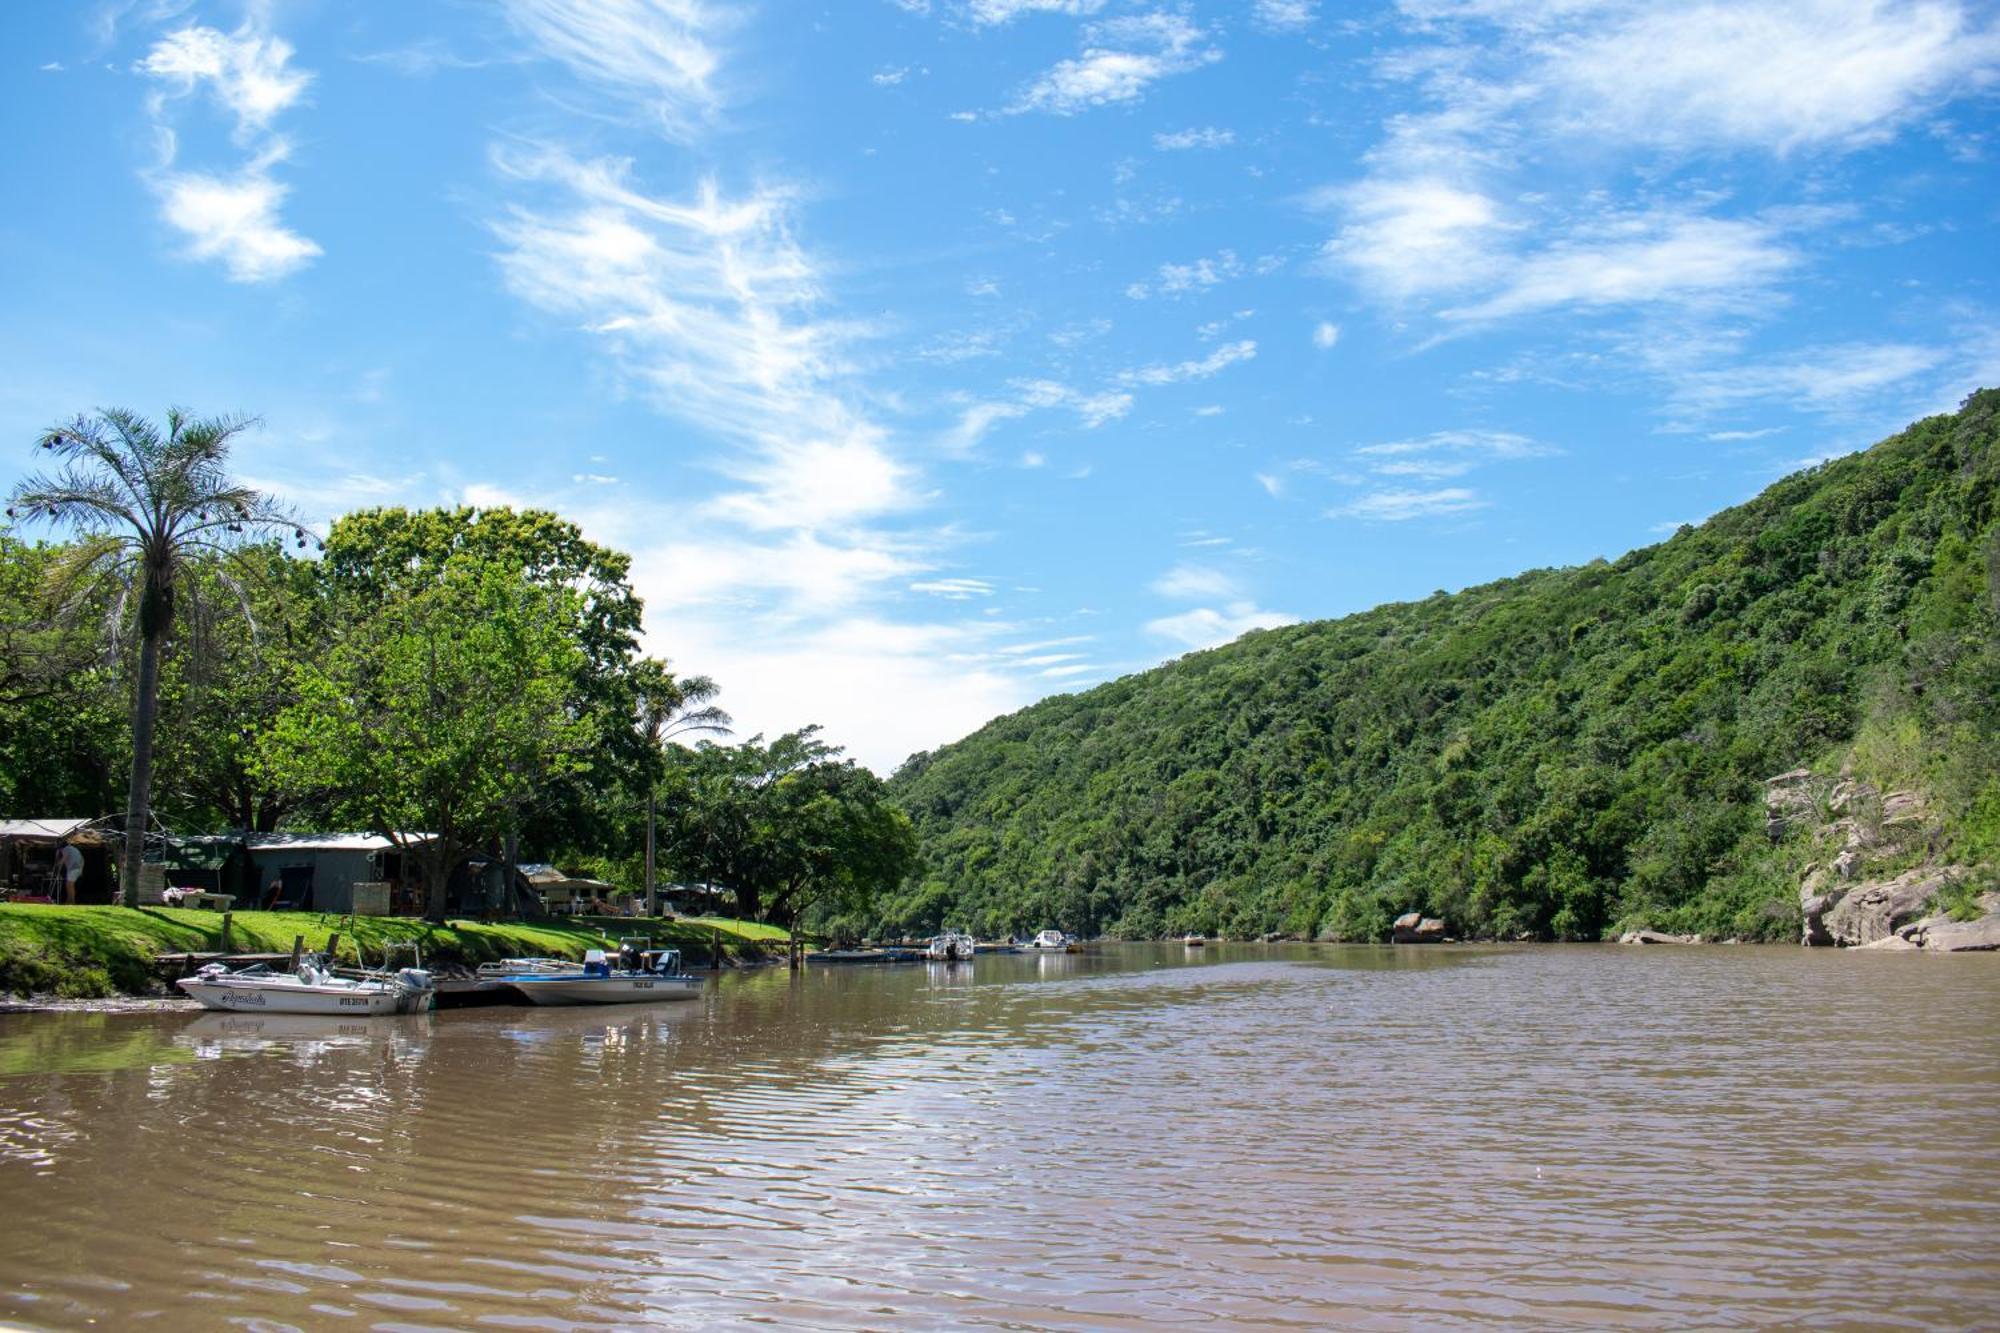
239	997
559	989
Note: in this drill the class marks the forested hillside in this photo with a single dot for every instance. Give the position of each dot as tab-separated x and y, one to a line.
1554	755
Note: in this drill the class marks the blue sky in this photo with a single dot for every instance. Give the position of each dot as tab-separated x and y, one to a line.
931	356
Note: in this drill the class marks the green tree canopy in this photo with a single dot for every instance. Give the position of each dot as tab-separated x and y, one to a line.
443	711
598	805
143	503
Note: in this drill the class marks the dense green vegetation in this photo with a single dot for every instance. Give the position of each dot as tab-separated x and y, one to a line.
1556	755
88	952
471	675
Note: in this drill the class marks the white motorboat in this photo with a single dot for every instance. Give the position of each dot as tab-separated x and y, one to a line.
954	946
311	989
1053	941
655	976
1193	941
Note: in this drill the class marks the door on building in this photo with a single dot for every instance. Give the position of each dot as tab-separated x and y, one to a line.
297	893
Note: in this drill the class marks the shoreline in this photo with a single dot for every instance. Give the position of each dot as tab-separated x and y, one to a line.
99	954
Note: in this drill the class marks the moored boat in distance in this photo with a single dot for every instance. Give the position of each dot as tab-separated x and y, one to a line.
310	989
954	946
648	976
1194	941
1053	941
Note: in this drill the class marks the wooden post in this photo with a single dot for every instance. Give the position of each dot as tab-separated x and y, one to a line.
332	948
715	949
226	923
298	947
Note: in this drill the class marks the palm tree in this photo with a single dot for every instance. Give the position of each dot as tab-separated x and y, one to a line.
667	707
141	504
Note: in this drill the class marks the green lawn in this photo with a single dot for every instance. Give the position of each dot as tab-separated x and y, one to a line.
96	951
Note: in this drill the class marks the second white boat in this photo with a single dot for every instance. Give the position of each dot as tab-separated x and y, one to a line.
658	977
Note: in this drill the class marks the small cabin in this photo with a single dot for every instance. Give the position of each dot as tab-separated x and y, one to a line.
318	872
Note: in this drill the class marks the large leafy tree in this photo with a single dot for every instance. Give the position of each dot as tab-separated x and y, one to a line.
229	676
828	840
377	554
790	826
711	799
438	714
63	729
143	502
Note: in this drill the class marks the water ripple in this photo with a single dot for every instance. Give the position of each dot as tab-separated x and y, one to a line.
1374	1138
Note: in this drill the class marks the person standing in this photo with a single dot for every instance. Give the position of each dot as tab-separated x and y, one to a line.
69	866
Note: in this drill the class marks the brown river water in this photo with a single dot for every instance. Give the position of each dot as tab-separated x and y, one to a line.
1146	1135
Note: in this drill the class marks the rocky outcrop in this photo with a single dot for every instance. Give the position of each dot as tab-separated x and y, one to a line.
1656	937
1979	936
1864	912
1415	928
1857	828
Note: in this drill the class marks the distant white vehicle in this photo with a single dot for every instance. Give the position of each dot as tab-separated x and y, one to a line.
954	946
1053	941
311	990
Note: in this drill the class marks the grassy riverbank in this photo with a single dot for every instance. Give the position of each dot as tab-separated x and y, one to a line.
87	952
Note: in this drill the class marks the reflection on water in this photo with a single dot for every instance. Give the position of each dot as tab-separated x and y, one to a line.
1369	1137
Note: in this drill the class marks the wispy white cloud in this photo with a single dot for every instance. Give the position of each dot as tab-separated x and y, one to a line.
421	59
1833	376
248	71
235	219
954	589
992	13
1220	359
1208	626
1182	140
1418	236
1488	445
1093	409
1454	208
659	55
1627	261
232	216
1772	74
1397	506
709	303
1121	59
1191	582
1199	275
1285	15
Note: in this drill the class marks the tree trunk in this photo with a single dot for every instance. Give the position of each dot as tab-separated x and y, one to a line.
652	895
437	862
139	800
511	852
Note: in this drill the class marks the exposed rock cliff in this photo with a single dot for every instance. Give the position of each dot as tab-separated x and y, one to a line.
1864	892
